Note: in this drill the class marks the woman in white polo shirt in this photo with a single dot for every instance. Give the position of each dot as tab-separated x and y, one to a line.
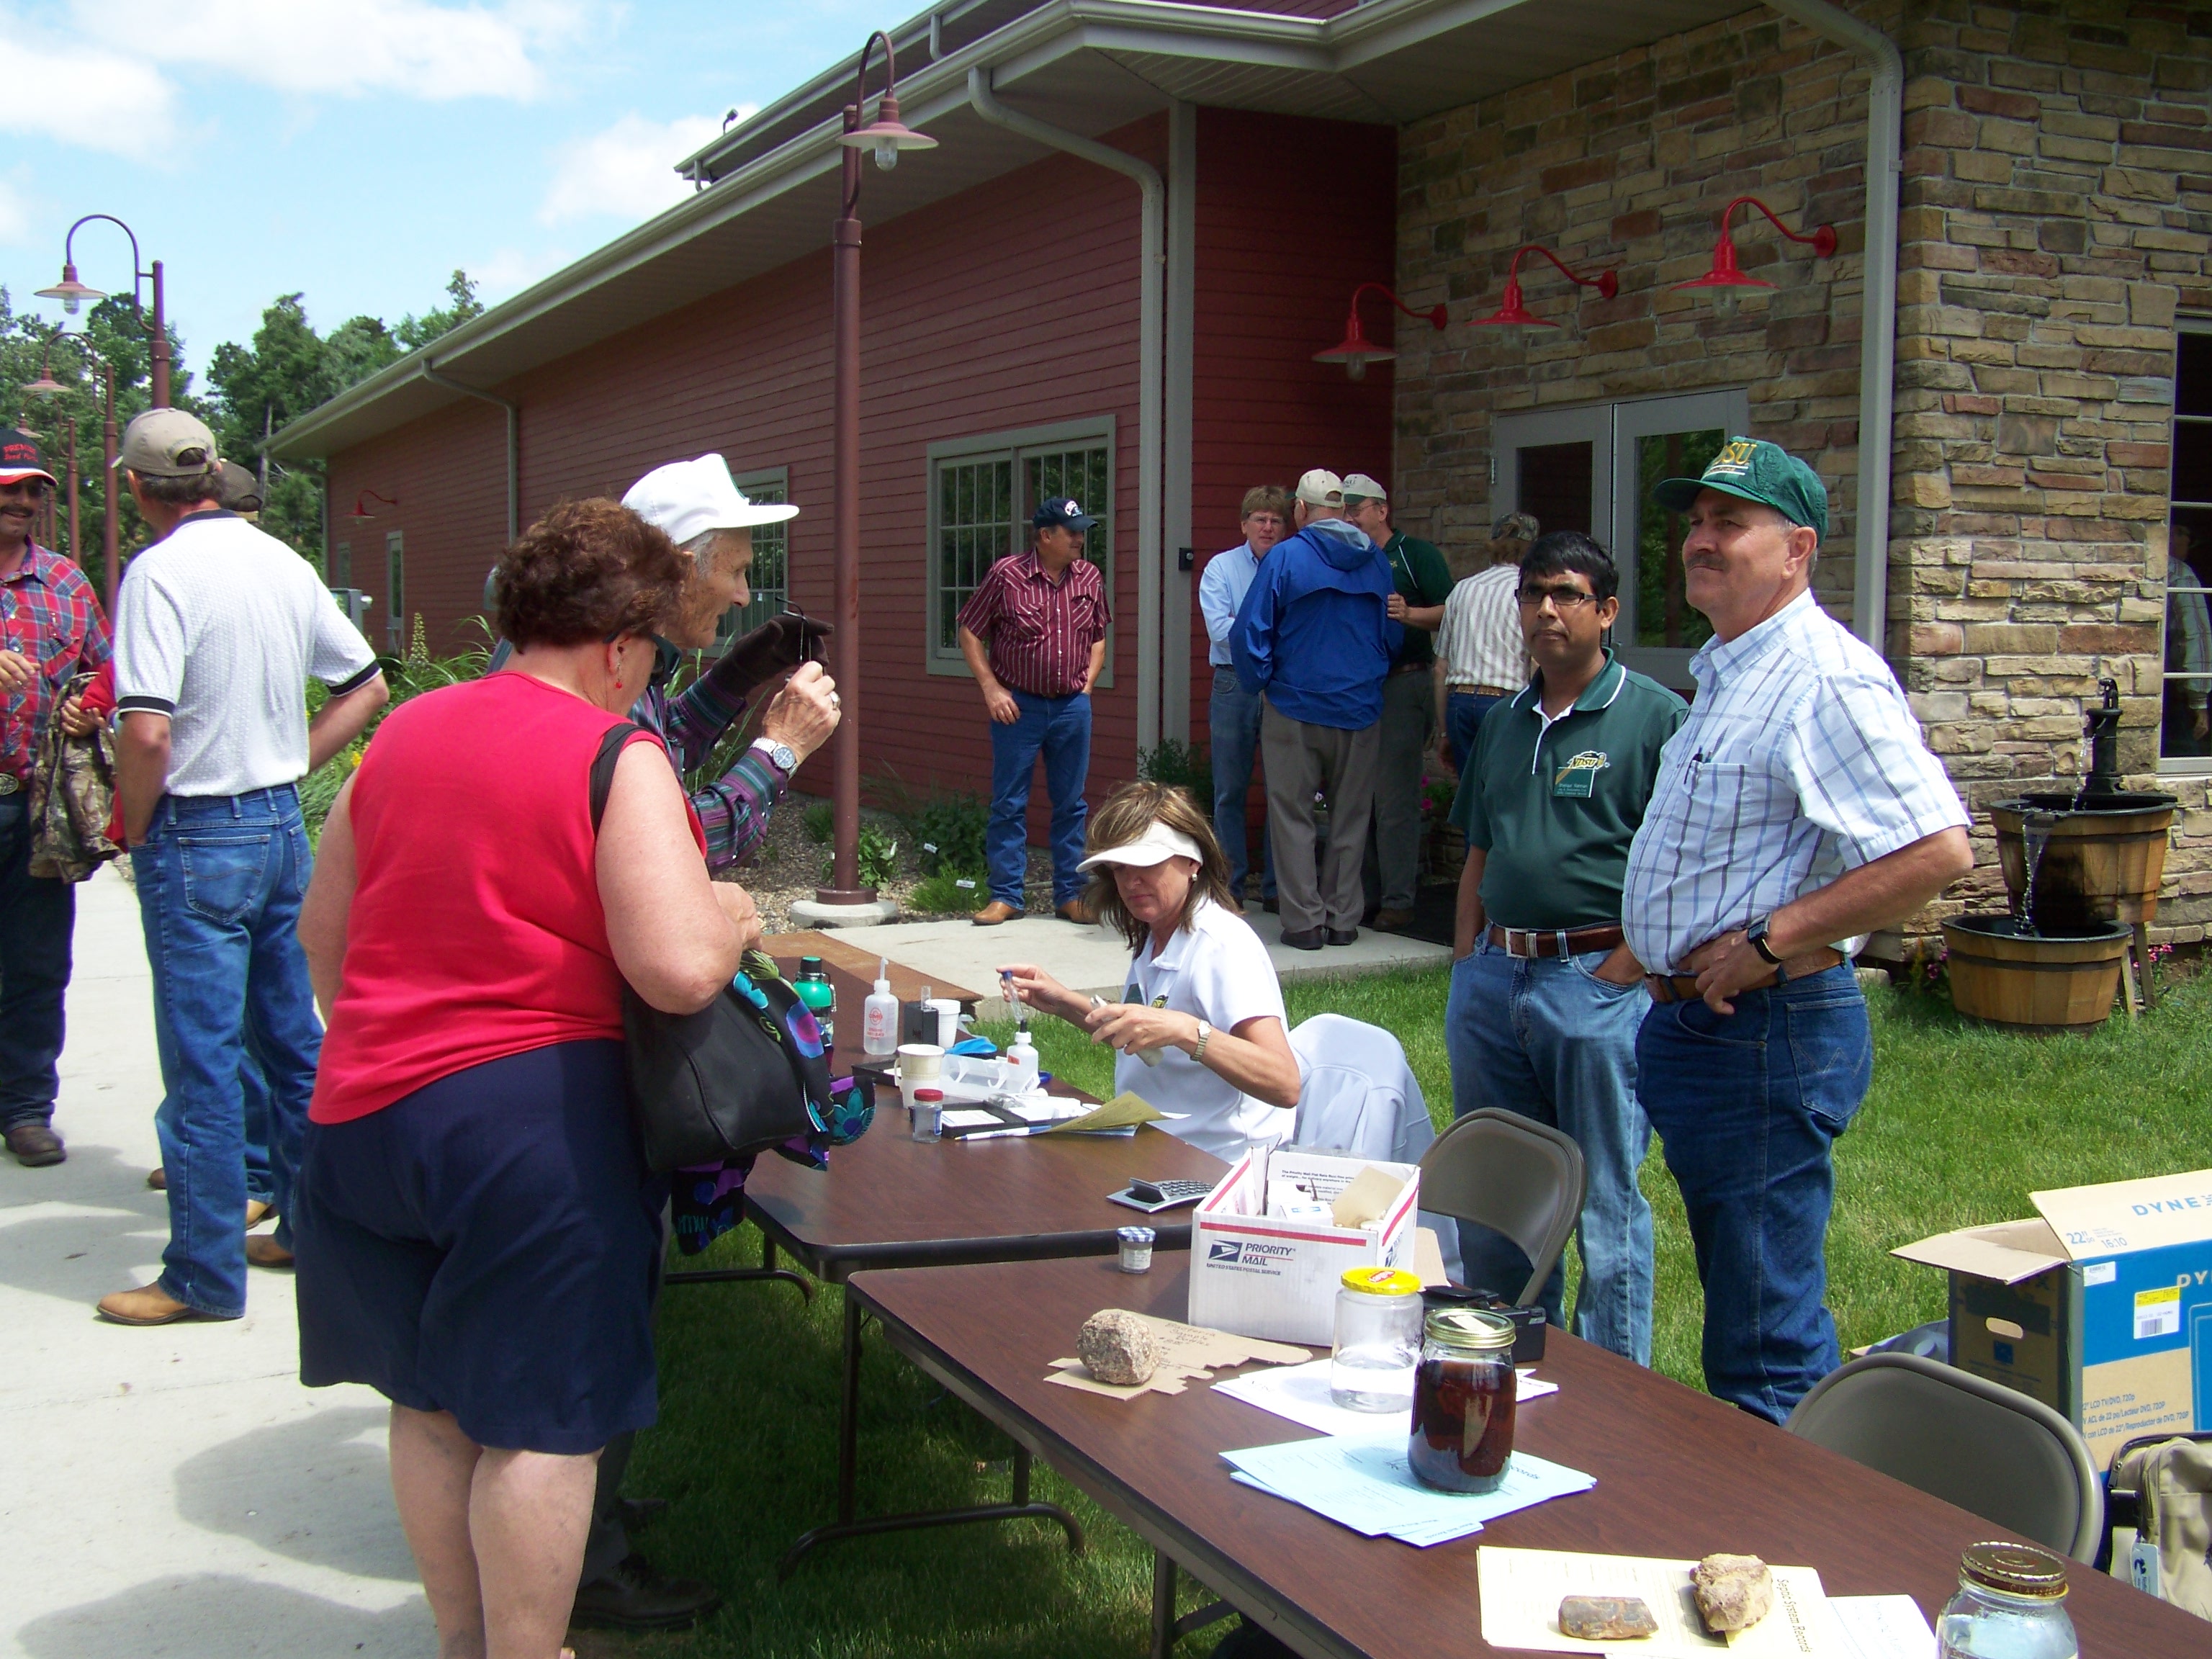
1201	991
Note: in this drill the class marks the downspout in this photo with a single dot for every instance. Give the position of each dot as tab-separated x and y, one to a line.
1150	333
514	443
1878	329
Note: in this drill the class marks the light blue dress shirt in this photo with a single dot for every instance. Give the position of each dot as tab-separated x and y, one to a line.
1221	589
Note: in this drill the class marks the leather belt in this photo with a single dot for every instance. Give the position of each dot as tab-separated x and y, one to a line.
1683	988
1554	941
1412	667
1477	690
9	783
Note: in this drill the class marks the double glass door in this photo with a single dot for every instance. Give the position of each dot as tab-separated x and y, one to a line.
1592	468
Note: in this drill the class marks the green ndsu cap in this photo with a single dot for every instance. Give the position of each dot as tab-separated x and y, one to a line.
1755	470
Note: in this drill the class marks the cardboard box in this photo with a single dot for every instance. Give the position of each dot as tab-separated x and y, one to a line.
1278	1279
2102	1309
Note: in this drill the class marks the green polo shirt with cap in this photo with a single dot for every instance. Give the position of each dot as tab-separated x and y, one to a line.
1554	803
1422	579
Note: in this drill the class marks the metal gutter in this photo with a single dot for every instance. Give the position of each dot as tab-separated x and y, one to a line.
1878	302
1151	293
514	443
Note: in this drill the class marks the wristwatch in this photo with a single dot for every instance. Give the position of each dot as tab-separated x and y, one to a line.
1205	1036
1755	937
779	754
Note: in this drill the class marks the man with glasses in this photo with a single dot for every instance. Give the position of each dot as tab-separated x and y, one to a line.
1545	998
1797	811
51	628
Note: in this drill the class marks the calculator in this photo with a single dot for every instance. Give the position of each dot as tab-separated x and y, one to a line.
1153	1196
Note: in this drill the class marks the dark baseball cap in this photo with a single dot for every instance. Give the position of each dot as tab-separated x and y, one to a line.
241	491
1063	511
1753	469
20	458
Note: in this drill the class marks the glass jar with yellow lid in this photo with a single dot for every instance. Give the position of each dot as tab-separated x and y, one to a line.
1378	1339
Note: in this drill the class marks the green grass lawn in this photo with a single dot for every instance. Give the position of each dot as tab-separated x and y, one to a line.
1960	1126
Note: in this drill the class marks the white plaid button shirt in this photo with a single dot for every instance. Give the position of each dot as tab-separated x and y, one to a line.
1800	760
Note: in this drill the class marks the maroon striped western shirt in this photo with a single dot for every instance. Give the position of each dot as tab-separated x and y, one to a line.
1039	632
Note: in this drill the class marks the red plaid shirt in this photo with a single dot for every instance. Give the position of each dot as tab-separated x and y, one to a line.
48	613
1039	632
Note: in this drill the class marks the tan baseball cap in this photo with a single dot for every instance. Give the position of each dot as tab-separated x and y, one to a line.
1320	488
167	443
1359	484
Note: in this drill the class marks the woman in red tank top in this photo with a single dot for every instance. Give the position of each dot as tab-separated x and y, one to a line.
475	1230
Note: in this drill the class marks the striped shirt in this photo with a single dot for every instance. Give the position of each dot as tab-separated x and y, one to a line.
1479	638
733	810
47	613
1039	632
1800	760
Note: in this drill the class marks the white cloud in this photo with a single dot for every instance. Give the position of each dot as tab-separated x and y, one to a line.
82	96
510	271
411	47
627	171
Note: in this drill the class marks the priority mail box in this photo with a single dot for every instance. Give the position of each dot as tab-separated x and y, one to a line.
1255	1275
2101	1309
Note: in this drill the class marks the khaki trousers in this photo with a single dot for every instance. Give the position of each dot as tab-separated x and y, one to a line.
1323	891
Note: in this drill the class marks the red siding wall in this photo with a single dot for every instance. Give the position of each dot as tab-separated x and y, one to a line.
1275	269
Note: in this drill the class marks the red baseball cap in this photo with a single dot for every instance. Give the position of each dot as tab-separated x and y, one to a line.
19	458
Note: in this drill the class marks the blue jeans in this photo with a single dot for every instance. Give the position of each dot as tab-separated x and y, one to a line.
37	915
1546	1038
219	880
1059	728
1464	713
1747	1106
1232	730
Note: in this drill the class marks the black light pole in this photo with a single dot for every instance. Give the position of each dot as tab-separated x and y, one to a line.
887	135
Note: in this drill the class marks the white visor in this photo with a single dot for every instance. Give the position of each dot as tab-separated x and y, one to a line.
1155	846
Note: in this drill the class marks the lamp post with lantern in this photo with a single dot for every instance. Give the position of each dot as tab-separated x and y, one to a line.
73	294
885	137
110	528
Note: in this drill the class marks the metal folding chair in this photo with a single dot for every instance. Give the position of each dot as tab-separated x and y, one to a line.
1510	1173
1975	1444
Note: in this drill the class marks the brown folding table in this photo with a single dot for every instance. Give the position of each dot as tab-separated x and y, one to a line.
888	1200
1678	1475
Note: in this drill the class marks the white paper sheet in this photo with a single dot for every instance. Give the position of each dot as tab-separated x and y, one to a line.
1301	1393
1884	1627
1522	1590
1368	1485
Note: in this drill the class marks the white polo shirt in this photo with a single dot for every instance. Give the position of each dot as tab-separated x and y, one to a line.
1216	971
218	626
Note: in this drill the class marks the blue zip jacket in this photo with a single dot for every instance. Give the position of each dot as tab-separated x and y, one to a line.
1313	632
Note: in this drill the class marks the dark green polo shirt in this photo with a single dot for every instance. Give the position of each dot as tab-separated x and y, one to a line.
1422	578
1556	806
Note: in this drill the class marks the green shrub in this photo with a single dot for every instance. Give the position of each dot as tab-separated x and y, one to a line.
945	827
1185	764
821	822
950	893
877	855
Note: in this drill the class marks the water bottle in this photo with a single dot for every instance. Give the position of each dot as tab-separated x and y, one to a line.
815	991
2011	1604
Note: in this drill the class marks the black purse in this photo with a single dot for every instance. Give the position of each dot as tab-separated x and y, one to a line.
744	1073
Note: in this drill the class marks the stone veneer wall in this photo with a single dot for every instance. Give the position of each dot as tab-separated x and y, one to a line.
2056	212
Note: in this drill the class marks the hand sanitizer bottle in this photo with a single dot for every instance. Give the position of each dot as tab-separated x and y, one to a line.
1022	1061
880	1017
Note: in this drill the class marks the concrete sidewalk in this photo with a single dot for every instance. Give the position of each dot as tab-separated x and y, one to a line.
171	1491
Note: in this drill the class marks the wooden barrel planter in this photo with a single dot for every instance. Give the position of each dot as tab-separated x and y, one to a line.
2032	981
2102	863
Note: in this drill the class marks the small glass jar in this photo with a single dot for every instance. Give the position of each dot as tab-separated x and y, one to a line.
927	1106
1378	1339
1136	1249
2011	1604
1463	1400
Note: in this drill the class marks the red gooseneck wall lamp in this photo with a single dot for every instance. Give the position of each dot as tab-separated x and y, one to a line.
1355	351
1726	282
1513	319
362	512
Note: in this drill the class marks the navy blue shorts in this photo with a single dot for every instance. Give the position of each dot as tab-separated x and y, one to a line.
488	1246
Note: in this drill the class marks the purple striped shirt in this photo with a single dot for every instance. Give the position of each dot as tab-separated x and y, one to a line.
1039	632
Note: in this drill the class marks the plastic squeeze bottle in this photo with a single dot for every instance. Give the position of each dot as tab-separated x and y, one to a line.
879	1015
1021	1061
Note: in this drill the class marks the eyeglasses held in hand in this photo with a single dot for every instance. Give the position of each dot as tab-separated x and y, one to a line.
1566	599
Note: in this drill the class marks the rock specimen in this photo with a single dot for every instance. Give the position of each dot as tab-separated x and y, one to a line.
1118	1348
1605	1617
1734	1592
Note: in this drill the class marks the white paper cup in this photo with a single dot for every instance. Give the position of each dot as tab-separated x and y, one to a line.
948	1020
920	1062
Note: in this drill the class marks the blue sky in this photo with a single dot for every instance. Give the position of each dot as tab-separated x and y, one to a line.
361	150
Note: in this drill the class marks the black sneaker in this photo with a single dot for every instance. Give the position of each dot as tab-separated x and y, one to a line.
637	1595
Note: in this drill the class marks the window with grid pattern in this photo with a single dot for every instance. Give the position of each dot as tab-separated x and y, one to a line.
982	493
770	577
2185	722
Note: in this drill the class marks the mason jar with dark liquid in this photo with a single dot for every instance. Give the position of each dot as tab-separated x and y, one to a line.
1463	1400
